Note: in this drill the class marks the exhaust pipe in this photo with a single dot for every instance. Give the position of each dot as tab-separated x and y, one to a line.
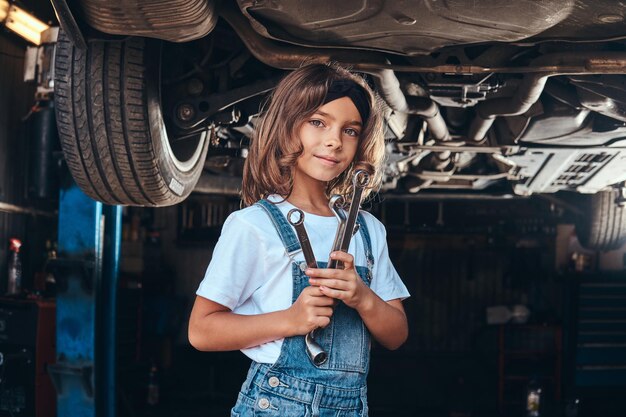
527	94
532	85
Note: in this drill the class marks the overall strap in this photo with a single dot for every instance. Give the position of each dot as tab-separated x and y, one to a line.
367	241
284	229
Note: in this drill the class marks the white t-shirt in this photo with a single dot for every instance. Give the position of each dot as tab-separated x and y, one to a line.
250	272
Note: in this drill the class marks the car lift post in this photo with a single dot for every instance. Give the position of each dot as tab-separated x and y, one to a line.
86	272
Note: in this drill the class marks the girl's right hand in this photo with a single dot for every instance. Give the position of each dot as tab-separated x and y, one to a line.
311	310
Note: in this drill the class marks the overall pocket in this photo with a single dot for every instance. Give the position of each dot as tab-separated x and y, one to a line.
270	404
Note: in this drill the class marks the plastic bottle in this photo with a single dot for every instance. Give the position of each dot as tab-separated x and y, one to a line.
533	398
50	282
14	286
153	387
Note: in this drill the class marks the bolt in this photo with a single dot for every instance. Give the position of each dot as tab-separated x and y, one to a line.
185	112
195	86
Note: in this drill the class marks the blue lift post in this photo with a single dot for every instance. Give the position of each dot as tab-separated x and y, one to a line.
86	272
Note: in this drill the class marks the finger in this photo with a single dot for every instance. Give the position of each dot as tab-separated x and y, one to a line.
337	284
323	322
311	270
312	291
325	273
323	301
346	258
330	292
323	311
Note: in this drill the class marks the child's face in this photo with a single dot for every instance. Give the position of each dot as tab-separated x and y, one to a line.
329	139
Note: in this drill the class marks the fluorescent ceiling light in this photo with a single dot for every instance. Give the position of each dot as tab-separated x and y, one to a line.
21	22
4	9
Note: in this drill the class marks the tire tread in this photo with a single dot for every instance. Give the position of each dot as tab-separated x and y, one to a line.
604	226
104	125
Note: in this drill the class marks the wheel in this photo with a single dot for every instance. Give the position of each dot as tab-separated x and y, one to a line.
604	225
111	125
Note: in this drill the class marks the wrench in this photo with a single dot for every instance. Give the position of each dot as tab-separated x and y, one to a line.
302	235
317	354
335	203
345	230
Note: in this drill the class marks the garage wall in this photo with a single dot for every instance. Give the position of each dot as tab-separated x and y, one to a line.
16	98
450	362
13	105
454	279
188	261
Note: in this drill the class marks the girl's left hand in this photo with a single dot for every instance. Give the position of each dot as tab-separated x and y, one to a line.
341	284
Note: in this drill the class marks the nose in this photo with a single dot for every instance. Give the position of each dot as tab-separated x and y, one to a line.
333	139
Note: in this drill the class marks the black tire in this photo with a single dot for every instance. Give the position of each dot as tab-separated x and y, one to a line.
603	227
112	130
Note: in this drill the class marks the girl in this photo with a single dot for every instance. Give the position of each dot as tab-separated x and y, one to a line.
322	123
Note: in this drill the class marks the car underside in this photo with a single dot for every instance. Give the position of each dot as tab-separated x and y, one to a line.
498	97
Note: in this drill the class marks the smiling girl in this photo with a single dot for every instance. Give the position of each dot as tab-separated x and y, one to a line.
321	124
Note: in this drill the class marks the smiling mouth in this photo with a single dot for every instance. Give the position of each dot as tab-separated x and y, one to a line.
327	160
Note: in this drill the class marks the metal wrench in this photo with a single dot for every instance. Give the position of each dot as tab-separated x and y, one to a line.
345	230
335	203
317	354
303	237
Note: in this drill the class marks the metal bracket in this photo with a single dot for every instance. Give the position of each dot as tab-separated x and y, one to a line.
60	371
193	111
64	269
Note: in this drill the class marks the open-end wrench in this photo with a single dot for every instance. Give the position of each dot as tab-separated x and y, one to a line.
317	354
345	230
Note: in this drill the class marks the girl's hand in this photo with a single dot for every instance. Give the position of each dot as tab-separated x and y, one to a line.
341	284
311	310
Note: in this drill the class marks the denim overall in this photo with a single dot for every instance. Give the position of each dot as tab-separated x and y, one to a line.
294	386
